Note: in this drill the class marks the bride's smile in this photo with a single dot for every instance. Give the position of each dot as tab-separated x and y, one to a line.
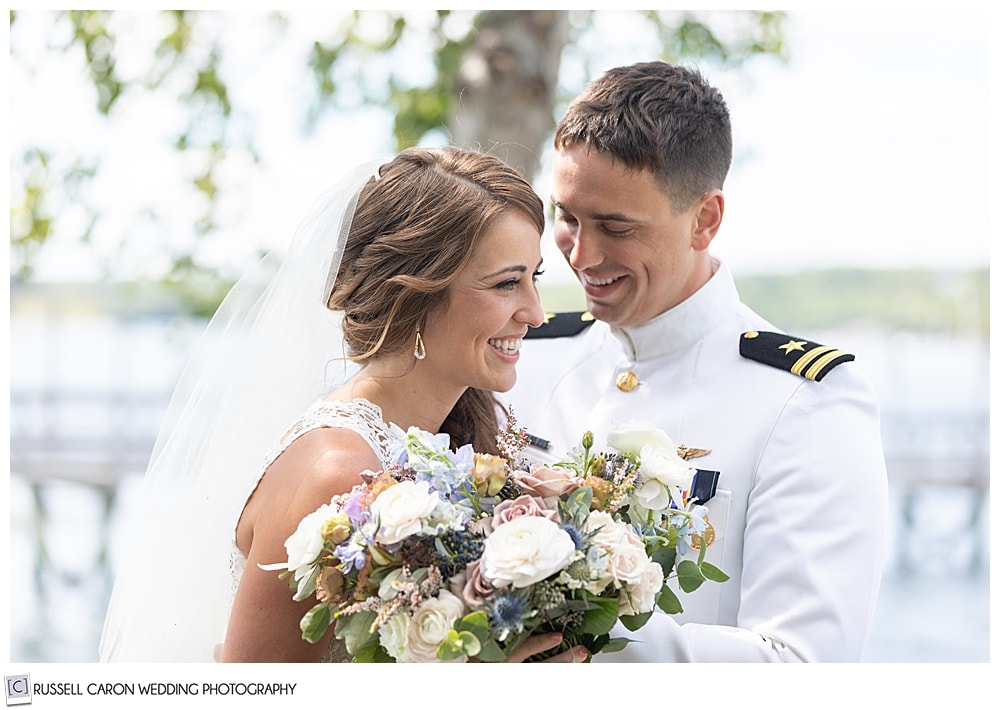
474	341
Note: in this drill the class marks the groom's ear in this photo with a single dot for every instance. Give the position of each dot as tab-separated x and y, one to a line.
707	214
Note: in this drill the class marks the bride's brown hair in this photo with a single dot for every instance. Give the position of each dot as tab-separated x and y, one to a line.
413	231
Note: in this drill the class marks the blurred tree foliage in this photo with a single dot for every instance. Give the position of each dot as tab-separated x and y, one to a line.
803	303
916	300
502	63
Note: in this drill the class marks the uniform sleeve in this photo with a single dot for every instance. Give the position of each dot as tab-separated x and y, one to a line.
814	543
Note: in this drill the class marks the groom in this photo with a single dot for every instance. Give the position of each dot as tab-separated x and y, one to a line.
786	429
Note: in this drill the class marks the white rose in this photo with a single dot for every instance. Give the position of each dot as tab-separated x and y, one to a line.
399	510
652	495
304	547
640	598
430	624
607	531
524	551
628	560
629	438
666	466
393	634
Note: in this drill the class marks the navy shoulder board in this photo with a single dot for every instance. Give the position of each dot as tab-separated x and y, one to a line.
560	325
800	357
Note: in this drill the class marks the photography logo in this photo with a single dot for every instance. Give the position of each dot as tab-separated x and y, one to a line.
18	689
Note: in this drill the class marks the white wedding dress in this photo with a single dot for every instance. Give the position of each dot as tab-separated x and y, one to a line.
360	416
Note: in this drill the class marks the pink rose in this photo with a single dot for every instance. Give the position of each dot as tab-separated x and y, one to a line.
547	482
520	507
477	588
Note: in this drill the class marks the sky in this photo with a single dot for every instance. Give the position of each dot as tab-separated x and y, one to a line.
869	148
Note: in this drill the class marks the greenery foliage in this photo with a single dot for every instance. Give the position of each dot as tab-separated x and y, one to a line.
915	300
366	60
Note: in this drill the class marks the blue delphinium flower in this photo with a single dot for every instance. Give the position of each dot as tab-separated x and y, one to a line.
354	509
352	553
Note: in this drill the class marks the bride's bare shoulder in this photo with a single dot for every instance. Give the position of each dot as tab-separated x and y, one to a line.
324	462
315	467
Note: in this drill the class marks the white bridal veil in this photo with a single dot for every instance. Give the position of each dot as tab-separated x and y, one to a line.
270	350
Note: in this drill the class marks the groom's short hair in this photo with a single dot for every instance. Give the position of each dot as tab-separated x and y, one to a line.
659	117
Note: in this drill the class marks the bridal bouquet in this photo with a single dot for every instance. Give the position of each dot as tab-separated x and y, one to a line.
452	555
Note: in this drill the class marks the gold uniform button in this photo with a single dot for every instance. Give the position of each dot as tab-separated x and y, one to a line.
627	381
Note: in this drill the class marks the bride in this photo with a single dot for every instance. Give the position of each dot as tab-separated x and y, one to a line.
401	302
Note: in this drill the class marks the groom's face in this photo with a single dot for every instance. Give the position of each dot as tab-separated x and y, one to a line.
617	229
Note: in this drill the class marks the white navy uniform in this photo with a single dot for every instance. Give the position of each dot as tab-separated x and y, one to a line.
800	511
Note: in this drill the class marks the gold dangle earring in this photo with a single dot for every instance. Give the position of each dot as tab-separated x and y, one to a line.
419	351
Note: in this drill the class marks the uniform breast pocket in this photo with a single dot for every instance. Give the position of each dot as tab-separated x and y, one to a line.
715	534
703	605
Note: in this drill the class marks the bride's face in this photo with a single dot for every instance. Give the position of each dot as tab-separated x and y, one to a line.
474	340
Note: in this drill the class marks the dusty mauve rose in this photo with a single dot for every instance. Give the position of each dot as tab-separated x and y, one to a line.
476	589
547	482
507	510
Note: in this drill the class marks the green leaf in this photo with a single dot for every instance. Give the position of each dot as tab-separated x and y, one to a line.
615	644
636	621
457	644
491	652
578	502
668	601
372	652
474	621
713	573
689	576
665	557
315	623
601	619
379	556
355	630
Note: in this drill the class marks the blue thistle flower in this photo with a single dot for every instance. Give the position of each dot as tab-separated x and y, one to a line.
507	613
579	541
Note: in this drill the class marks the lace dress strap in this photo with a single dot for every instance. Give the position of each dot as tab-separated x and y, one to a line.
359	415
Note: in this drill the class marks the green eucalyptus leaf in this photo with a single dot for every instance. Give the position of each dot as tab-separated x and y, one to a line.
668	601
636	621
665	557
457	644
473	621
689	576
578	502
713	573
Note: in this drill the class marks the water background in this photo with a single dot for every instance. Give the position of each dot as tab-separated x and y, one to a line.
81	383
